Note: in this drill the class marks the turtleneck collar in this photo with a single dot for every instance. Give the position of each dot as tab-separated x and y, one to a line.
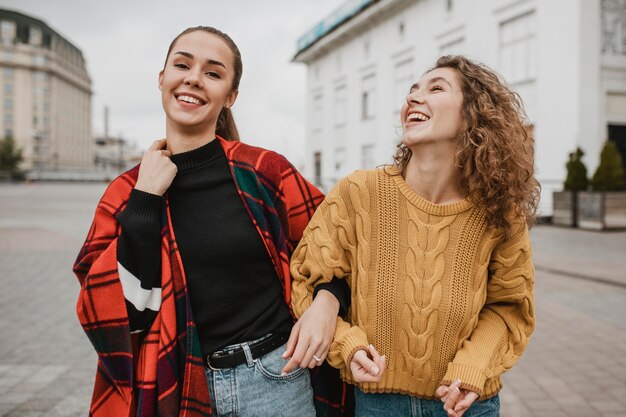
198	157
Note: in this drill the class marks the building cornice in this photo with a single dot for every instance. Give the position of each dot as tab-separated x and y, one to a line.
83	85
374	13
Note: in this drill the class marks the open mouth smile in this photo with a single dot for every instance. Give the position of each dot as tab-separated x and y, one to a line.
189	99
417	117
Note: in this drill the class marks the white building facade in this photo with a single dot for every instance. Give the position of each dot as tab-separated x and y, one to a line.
566	58
45	96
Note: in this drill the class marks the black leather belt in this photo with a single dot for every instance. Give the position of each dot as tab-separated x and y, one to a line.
230	358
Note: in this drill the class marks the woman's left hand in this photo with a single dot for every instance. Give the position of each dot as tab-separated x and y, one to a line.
456	401
312	335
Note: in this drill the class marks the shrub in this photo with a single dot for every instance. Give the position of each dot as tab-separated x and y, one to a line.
576	179
10	157
610	173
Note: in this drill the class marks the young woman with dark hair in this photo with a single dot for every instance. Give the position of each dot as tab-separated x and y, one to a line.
185	283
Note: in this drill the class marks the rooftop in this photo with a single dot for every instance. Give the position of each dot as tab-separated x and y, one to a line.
25	22
345	12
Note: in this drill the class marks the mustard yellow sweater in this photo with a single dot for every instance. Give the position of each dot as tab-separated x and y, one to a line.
433	288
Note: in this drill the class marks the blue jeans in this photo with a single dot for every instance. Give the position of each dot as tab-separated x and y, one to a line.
256	388
399	405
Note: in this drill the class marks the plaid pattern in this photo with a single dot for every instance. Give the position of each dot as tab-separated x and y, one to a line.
161	371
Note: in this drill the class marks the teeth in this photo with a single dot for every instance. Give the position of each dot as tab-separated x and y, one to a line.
189	99
417	116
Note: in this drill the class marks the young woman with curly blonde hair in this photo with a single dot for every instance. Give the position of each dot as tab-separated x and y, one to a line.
436	251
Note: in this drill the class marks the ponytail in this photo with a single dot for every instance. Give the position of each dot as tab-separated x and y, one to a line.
226	127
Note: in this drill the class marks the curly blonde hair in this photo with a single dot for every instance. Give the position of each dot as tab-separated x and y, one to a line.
495	153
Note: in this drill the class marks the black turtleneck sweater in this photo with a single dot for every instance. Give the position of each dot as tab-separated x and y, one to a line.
235	293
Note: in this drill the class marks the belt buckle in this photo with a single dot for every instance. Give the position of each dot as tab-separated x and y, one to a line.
208	363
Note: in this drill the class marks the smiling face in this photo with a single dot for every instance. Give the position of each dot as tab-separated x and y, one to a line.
196	82
432	111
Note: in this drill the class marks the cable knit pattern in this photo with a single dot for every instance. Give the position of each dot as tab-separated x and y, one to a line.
433	288
386	290
360	201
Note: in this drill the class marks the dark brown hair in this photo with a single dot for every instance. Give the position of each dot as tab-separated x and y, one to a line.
495	153
226	126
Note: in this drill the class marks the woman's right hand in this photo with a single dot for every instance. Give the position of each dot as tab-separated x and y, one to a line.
365	369
455	400
156	171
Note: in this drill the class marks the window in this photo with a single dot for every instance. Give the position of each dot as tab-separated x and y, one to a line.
368	97
35	37
317	119
617	134
367	156
613	16
39	60
517	49
401	30
403	78
316	72
616	118
616	107
7	32
341	105
317	168
8	103
340	158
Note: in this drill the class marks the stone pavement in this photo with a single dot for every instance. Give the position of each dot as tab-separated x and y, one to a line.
598	256
46	363
574	366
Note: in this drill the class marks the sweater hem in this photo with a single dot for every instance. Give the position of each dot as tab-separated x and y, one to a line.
393	385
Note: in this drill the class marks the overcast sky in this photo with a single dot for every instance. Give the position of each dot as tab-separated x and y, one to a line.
125	42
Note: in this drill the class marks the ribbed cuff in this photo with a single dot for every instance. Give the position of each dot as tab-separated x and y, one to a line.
472	378
351	341
142	207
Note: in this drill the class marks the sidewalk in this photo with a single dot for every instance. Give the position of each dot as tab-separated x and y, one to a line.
599	256
575	364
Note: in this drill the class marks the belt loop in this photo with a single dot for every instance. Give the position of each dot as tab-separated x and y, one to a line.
248	353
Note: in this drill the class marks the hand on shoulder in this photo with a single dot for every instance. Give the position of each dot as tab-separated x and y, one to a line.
157	171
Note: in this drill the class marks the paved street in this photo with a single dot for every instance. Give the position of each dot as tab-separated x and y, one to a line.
574	366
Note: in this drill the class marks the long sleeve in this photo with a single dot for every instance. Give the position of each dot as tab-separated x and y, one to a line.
100	307
507	319
327	251
139	258
301	198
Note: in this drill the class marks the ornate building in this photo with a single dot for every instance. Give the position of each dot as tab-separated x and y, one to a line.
45	96
566	58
